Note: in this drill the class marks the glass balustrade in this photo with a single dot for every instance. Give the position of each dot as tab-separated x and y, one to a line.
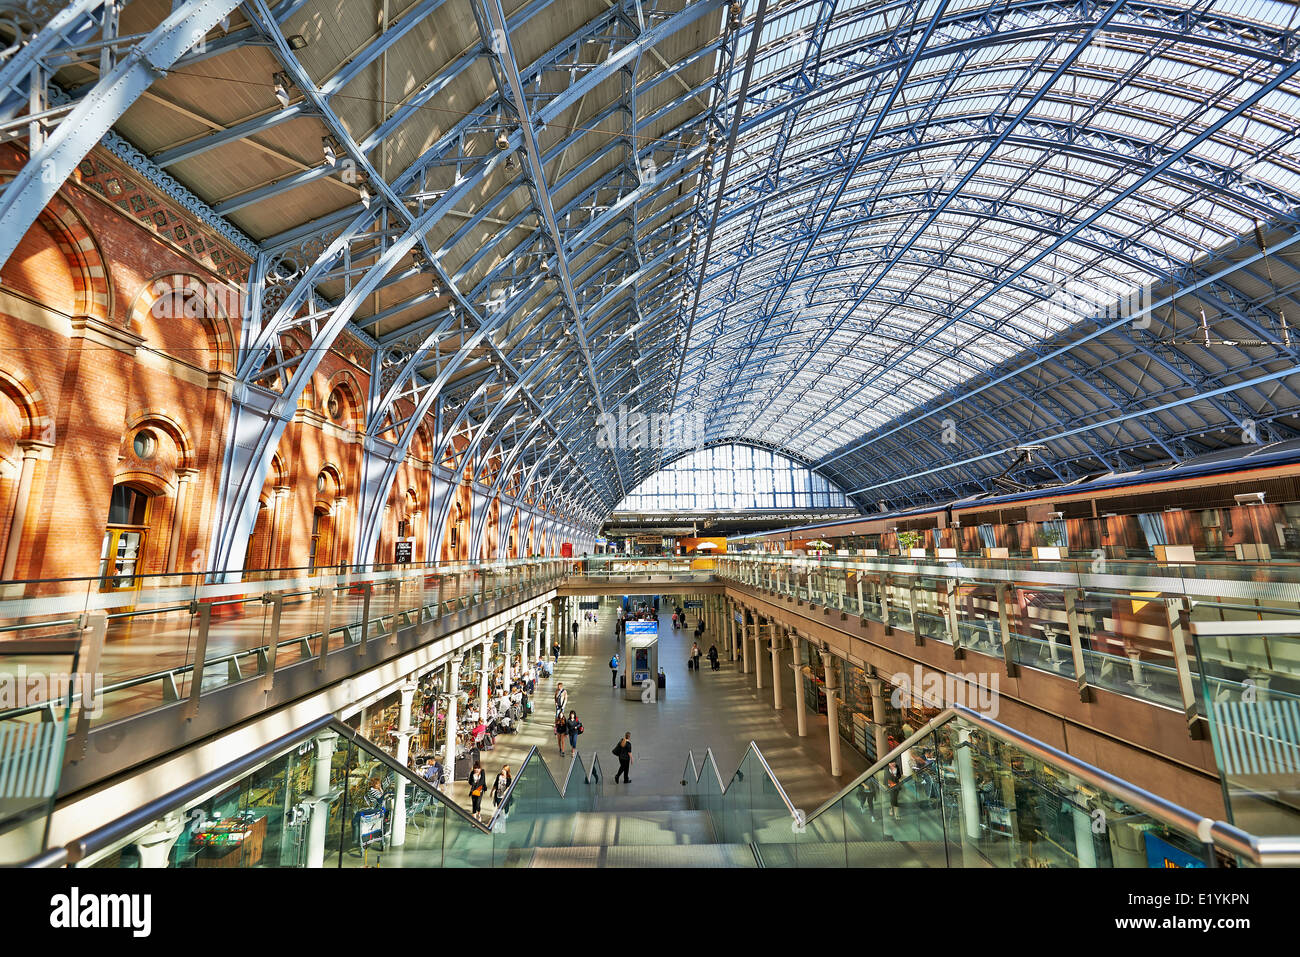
329	798
1122	626
959	795
154	641
1250	695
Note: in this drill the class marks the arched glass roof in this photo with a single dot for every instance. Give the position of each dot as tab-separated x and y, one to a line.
732	478
899	240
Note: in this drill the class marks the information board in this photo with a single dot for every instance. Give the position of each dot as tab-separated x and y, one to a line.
637	627
402	553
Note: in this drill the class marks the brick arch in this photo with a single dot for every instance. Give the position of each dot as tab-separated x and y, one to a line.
215	317
345	380
274	479
336	476
38	424
166	423
92	294
151	484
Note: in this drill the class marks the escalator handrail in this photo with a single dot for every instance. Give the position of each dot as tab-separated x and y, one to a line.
1282	851
510	790
127	824
795	813
1270	851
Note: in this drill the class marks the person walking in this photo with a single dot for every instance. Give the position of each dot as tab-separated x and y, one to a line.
500	786
613	671
561	729
477	785
713	657
575	630
555	651
561	700
695	653
623	751
574	728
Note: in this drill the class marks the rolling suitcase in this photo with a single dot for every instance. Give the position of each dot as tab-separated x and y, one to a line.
690	664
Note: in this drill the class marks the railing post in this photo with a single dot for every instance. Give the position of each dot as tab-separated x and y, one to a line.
276	600
950	615
366	591
204	610
917	637
324	594
1178	615
95	625
1076	644
1008	651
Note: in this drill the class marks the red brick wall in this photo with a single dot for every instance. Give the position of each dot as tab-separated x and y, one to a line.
85	387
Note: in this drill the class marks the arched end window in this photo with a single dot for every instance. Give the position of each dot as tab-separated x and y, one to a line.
733	478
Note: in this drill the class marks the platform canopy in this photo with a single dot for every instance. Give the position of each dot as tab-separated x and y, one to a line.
899	241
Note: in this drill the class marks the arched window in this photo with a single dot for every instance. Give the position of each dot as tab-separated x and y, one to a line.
125	539
337	405
733	478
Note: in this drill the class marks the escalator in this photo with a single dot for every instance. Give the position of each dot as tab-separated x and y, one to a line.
324	796
966	791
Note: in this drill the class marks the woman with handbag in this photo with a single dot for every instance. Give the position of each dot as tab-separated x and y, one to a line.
574	728
477	785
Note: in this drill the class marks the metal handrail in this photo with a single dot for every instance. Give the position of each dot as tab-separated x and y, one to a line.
144	815
510	789
127	824
1264	851
794	811
372	568
1267	851
404	774
1157	807
189	667
710	760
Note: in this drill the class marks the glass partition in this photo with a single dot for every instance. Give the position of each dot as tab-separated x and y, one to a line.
332	799
960	795
1250	694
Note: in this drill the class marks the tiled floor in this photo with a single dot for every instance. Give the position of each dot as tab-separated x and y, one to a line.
719	710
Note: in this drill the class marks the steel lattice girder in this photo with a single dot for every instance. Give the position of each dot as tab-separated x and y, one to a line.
360	232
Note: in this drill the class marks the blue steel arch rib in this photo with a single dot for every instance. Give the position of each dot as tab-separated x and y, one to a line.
237	513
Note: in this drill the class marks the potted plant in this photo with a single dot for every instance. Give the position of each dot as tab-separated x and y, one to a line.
908	543
1050	549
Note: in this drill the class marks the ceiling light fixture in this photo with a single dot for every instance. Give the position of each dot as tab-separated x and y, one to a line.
282	82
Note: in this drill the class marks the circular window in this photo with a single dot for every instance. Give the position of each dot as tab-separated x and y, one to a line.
321	482
145	444
335	405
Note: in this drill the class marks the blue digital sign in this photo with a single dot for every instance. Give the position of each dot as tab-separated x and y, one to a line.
1162	854
636	627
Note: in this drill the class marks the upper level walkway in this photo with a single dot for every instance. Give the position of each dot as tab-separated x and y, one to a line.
1198	641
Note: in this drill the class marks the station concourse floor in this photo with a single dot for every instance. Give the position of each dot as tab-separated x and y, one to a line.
719	710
